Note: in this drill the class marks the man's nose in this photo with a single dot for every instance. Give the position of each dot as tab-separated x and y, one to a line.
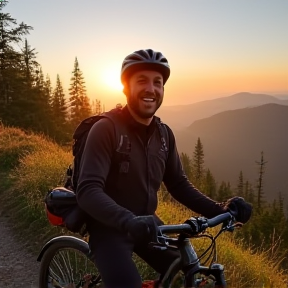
150	87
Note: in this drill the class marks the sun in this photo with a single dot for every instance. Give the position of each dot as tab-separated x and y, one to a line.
111	78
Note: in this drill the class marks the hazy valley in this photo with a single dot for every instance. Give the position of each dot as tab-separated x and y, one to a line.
234	130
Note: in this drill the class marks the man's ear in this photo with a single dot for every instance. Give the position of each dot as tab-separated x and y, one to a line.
125	89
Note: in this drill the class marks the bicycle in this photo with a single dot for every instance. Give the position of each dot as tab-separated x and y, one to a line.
66	261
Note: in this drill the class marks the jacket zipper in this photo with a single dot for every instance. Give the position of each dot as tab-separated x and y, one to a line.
147	166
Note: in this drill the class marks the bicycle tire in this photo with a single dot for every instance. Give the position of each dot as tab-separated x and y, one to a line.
67	263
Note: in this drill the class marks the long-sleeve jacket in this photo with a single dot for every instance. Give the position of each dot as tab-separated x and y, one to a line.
111	197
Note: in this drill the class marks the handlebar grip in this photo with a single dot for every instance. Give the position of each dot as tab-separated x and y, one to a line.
219	219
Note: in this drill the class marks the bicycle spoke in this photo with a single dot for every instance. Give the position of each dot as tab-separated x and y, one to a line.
70	268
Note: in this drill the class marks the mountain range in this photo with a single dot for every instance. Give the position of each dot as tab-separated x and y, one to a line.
181	116
234	138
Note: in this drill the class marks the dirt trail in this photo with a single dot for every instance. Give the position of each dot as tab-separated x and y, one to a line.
18	266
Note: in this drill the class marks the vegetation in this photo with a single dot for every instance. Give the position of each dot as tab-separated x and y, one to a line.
27	100
268	227
31	164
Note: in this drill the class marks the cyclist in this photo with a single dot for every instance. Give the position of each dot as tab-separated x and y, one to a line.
115	201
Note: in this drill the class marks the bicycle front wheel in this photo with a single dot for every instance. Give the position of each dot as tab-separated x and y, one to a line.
66	263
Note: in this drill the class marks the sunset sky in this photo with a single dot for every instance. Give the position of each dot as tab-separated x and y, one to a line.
215	47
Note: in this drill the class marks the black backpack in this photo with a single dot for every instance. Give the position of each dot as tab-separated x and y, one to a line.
61	204
80	136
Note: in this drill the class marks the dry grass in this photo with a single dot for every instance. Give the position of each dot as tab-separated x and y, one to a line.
32	164
244	268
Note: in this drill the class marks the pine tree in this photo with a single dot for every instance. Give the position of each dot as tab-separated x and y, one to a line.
59	111
186	164
79	102
259	186
224	192
210	185
249	192
96	107
30	65
198	164
48	90
11	85
240	185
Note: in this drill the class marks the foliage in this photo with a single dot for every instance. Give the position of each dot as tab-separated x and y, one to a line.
41	165
79	103
26	99
198	164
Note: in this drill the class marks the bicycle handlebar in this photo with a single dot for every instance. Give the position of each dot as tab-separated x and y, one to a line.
195	225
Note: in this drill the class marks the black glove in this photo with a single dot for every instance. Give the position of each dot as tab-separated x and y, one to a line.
143	229
239	208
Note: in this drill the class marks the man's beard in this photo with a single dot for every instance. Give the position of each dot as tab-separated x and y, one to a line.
134	104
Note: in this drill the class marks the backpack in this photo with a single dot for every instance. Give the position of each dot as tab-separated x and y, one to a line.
79	139
60	203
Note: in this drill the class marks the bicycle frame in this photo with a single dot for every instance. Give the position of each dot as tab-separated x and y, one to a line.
189	263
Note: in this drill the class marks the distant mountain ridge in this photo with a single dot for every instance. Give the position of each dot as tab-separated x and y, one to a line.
181	116
233	141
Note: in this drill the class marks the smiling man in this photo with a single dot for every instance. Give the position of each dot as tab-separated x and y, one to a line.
128	154
144	92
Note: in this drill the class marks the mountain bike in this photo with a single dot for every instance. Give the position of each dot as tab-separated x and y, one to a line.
66	261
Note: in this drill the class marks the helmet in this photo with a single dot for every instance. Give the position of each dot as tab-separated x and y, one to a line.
146	59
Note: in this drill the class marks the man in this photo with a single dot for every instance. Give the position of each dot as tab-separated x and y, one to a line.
114	199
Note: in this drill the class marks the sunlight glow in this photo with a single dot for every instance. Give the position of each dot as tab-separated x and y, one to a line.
111	78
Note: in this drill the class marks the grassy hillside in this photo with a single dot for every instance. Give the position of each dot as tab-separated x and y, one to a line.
31	164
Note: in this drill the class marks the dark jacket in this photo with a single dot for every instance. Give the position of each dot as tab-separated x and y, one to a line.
111	197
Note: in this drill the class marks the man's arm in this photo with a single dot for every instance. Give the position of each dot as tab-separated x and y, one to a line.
182	190
94	168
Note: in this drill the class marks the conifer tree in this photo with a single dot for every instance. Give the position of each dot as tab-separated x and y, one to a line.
198	164
210	185
186	164
240	185
30	65
59	110
259	187
48	90
96	107
249	192
44	102
224	192
79	102
10	85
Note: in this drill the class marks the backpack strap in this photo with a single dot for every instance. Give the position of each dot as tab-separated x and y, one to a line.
163	135
123	148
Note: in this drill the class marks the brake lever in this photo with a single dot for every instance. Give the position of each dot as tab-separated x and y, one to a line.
230	226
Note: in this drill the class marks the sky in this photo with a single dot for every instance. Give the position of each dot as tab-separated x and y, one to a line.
215	48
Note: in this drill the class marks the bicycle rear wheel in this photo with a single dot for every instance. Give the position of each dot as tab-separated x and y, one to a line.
66	263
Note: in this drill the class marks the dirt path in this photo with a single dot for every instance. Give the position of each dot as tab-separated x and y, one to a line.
18	266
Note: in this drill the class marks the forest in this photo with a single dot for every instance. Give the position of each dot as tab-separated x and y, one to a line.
28	101
27	98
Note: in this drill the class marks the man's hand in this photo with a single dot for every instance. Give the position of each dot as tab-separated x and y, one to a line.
239	208
143	229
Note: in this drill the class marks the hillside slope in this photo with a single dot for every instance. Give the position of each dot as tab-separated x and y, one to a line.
233	141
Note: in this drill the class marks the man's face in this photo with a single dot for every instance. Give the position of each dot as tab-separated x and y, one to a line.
144	92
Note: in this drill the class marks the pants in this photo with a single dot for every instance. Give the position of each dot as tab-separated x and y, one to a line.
112	251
